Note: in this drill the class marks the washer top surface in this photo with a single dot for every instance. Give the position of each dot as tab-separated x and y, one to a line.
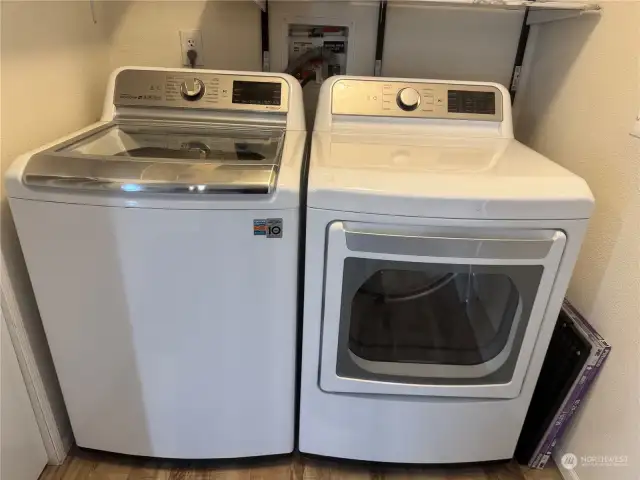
137	157
371	162
175	138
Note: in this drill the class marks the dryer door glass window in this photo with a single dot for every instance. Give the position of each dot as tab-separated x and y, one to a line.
433	323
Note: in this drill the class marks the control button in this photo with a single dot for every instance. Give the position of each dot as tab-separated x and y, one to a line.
192	89
408	99
428	99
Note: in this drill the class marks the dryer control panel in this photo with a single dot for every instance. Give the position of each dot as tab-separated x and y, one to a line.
201	90
416	99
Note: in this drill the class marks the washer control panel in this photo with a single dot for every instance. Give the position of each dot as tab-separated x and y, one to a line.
416	99
201	90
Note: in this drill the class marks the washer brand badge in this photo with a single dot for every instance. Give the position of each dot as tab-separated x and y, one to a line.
128	96
268	227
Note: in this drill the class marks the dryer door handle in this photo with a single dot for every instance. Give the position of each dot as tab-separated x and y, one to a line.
452	246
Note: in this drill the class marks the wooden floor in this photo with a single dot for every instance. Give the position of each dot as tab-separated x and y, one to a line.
81	465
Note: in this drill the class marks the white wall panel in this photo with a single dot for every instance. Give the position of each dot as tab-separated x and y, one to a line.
451	43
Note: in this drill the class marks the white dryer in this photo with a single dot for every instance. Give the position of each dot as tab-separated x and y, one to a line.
438	252
162	244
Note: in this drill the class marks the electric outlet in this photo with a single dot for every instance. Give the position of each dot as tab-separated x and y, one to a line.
191	40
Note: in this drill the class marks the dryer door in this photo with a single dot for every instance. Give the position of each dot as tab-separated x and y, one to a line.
434	311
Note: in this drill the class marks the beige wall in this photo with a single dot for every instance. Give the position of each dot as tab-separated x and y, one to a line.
146	32
420	42
54	72
579	109
54	67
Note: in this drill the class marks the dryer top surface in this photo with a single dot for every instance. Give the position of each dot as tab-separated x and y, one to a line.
446	177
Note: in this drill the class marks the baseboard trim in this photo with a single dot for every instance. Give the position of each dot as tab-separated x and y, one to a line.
57	440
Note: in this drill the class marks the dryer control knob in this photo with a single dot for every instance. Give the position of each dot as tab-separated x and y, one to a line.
192	89
408	99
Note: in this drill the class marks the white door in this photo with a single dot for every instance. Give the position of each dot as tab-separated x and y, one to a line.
22	453
433	311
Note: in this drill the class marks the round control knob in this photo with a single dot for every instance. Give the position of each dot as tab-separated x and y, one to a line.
408	99
192	89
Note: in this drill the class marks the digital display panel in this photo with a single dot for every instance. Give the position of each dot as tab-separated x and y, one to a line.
256	93
464	101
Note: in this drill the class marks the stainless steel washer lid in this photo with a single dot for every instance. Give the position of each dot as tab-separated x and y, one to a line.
163	157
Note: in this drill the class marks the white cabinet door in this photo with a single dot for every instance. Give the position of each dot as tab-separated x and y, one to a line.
22	453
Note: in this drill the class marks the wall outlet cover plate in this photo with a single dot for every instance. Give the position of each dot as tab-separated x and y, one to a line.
191	40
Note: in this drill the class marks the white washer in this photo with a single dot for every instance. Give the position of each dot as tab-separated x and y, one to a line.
438	252
162	244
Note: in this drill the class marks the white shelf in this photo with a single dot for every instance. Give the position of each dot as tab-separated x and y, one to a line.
539	11
507	4
501	4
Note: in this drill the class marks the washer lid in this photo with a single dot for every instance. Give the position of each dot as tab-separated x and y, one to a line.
163	157
446	177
